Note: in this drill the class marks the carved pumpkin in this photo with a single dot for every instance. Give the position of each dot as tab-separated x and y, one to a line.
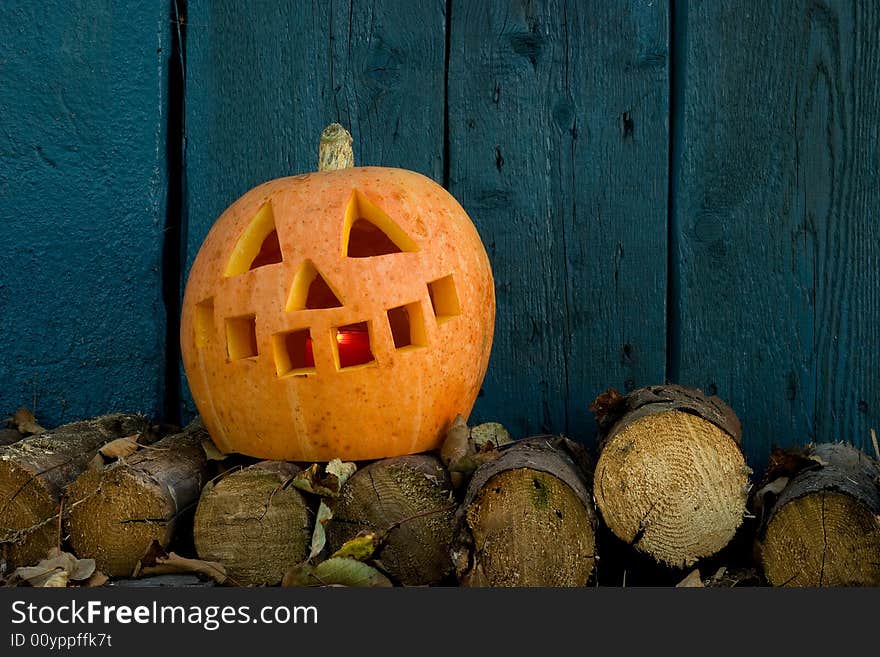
345	313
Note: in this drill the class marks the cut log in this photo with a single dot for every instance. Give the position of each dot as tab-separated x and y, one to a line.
671	479
527	518
118	511
824	527
33	474
254	523
407	501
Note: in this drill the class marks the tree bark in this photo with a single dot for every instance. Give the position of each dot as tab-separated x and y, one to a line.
117	512
671	479
253	523
527	518
33	474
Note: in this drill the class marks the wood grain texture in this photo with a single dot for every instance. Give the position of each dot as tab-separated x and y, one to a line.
83	183
557	147
262	84
776	200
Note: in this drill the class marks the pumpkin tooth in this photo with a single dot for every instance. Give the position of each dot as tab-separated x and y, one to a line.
293	352
204	322
241	337
407	326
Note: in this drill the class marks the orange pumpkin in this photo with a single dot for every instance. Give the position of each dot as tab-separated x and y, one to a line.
344	313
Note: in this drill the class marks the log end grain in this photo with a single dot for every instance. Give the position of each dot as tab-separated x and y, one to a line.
824	527
822	539
527	518
513	520
254	525
33	474
114	518
409	500
27	516
673	485
117	512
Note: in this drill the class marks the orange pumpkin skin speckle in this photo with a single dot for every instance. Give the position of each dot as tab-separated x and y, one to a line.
270	373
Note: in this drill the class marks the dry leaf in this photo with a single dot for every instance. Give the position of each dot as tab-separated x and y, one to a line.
97	579
787	463
300	575
212	453
157	562
25	422
335	572
342	471
692	581
349	572
336	473
490	435
56	562
58	580
456	445
120	448
361	547
97	463
608	407
319	538
718	576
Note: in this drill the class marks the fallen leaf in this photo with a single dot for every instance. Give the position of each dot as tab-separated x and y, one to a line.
456	446
300	575
608	407
490	435
25	422
774	487
342	471
82	569
692	581
336	473
212	452
157	562
97	463
349	572
718	576
361	547
120	448
55	563
97	579
57	580
319	538
787	463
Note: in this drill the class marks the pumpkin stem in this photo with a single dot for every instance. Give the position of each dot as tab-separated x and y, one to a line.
335	151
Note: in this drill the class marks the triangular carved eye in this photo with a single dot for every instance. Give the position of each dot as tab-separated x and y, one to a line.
310	290
258	246
369	232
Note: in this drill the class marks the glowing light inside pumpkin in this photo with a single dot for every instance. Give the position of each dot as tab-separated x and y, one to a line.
353	345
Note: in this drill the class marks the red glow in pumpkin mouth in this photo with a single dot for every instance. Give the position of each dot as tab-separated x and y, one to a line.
353	345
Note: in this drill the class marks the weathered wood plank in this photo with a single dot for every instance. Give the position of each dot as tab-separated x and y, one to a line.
262	84
558	134
82	197
776	216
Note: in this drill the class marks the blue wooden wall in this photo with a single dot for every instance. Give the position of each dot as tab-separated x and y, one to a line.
83	184
676	191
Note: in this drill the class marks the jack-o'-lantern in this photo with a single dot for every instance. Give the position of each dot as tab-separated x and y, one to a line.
344	313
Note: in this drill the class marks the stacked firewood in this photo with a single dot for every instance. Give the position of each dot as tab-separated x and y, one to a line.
667	497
